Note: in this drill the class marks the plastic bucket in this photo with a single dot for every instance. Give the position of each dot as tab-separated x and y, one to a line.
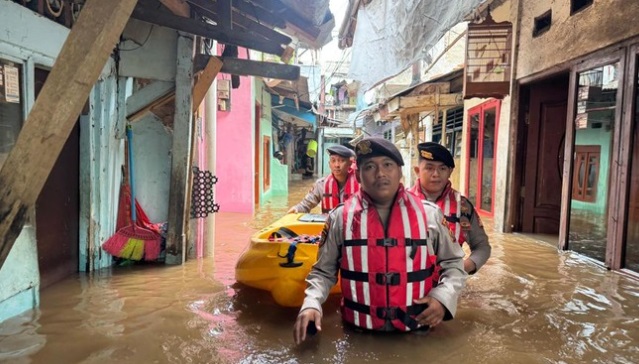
311	150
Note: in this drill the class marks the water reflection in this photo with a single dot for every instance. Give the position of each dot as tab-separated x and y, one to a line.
529	304
594	126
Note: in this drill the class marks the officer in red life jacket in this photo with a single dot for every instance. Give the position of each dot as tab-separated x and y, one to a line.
333	189
434	169
385	244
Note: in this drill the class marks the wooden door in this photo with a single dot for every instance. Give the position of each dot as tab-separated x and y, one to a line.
631	246
58	210
544	156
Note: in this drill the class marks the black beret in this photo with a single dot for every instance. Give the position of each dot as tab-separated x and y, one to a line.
431	151
341	151
375	147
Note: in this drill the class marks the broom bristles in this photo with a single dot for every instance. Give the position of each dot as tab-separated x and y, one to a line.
134	243
134	250
115	244
152	249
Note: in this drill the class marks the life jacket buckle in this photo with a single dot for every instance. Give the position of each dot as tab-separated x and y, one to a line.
387	242
388	279
387	313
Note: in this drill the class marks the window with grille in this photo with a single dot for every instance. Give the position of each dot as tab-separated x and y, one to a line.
586	172
454	124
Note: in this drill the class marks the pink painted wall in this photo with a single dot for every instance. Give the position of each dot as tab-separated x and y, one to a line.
234	148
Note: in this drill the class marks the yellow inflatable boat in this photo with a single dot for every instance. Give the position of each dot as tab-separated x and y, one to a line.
280	256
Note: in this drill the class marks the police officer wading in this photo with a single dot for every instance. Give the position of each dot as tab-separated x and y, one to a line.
333	189
434	169
385	243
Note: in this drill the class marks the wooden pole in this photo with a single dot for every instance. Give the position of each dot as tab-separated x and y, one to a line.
179	201
55	112
205	80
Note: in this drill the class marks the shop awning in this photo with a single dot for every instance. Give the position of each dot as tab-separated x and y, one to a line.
286	110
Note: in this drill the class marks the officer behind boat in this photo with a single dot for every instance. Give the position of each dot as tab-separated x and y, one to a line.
334	188
385	243
434	169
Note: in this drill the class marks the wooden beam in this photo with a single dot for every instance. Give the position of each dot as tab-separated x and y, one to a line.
416	110
259	14
179	201
138	104
178	7
242	21
431	88
225	14
246	67
196	27
55	112
204	82
292	18
443	100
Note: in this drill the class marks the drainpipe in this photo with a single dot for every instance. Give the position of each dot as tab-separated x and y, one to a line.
210	135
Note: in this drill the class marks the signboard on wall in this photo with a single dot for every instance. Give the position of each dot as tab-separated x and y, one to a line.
9	83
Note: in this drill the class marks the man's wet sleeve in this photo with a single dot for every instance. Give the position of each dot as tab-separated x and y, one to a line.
312	198
477	240
323	274
450	257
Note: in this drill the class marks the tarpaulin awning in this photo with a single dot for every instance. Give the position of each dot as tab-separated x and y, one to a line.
391	35
287	111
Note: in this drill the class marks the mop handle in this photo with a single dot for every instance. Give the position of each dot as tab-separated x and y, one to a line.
129	136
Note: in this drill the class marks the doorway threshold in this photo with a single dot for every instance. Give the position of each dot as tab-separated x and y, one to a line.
550	239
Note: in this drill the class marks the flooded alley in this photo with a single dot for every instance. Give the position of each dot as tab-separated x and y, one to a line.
135	133
529	304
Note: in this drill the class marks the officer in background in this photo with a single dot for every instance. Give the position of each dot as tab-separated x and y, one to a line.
385	243
434	169
333	189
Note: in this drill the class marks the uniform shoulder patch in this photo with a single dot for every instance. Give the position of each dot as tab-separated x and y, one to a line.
450	231
325	229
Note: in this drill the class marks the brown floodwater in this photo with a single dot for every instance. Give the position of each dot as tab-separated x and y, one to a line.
529	304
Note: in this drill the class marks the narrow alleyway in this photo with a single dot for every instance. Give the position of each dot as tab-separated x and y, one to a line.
529	304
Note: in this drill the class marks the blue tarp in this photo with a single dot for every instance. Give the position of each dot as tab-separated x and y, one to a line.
289	108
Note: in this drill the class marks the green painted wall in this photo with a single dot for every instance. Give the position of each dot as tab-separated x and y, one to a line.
603	138
279	172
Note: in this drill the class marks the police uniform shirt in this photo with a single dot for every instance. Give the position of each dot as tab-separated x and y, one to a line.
323	275
476	237
314	196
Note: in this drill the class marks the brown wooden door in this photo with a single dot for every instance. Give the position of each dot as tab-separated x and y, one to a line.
57	210
544	157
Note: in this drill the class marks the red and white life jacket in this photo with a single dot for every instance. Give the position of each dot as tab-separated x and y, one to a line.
331	199
383	272
455	209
